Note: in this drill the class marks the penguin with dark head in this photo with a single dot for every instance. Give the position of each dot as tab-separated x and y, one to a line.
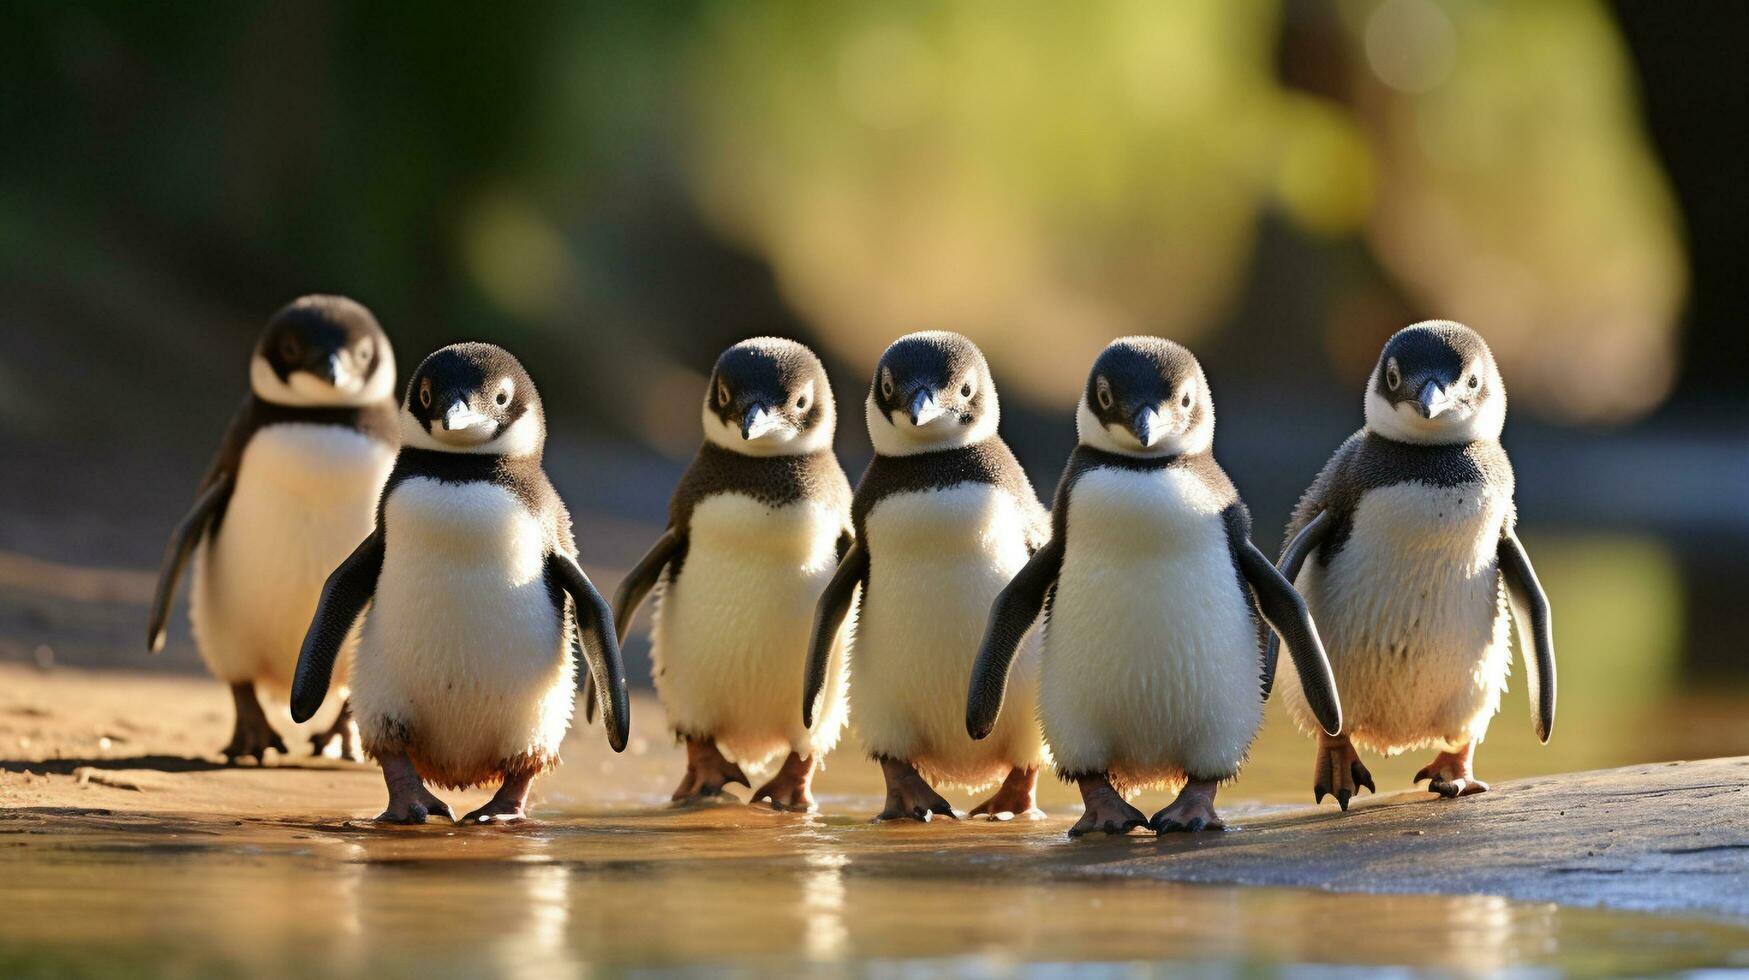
292	489
755	530
1406	550
944	516
1156	599
464	674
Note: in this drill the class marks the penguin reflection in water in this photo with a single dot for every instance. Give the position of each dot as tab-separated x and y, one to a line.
463	673
755	530
294	487
1156	601
944	516
1406	551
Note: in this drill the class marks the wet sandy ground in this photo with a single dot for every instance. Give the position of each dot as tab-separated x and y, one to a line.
124	846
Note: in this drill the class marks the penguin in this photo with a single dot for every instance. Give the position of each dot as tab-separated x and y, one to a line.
943	518
1154	667
755	531
1406	551
293	488
463	672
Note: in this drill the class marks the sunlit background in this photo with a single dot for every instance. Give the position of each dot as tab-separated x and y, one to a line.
616	192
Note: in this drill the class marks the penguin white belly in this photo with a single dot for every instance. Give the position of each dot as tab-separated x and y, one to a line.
464	660
938	559
305	496
1151	653
1413	617
731	631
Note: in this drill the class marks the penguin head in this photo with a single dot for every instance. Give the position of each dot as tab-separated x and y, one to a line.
473	398
931	391
322	351
1146	397
769	397
1436	383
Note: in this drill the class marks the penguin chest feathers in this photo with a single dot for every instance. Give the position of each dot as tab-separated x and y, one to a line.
1417	572
464	530
1154	515
803	534
1147	568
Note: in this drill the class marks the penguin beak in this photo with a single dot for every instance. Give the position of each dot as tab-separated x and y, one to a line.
924	408
339	371
1147	428
1432	401
460	417
759	422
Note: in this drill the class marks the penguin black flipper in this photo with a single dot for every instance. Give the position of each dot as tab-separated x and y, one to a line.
600	642
643	577
829	614
1536	631
188	534
632	591
348	590
1284	609
1293	558
1013	613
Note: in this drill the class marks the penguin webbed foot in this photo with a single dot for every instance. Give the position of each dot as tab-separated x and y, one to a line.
1107	811
1014	798
508	805
251	735
790	790
708	773
408	812
1451	775
1192	811
409	801
1339	772
909	796
344	731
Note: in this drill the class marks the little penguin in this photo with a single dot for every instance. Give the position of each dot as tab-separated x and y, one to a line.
293	488
1154	667
1406	550
463	673
944	516
755	530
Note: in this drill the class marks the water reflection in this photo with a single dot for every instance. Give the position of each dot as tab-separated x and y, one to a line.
573	897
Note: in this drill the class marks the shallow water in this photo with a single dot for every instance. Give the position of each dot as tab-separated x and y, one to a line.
596	890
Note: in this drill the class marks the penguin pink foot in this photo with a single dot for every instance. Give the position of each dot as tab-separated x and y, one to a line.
409	801
1194	810
708	772
1338	771
1450	774
252	735
1107	811
506	805
345	731
1014	798
790	789
909	796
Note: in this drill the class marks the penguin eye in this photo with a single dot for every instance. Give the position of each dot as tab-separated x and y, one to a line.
425	394
1475	382
1392	377
722	393
363	351
1104	395
1185	401
288	348
886	383
966	390
505	389
503	398
801	403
